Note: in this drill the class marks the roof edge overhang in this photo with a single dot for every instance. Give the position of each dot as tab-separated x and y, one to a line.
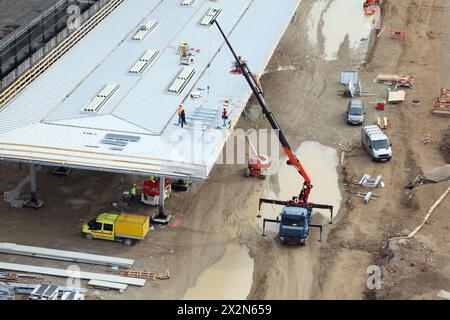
169	175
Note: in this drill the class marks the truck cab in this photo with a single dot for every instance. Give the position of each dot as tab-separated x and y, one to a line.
294	226
101	227
376	143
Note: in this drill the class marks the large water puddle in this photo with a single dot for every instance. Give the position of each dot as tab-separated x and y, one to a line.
228	279
231	277
321	164
341	19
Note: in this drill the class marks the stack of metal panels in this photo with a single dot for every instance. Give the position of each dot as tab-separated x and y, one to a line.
74	256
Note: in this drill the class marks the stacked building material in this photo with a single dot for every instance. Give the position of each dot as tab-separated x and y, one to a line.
367	181
400	80
11	248
442	104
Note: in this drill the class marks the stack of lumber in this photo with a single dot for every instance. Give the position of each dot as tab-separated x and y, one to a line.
145	275
382	122
387	77
401	80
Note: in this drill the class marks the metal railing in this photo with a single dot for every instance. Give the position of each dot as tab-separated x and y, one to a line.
26	46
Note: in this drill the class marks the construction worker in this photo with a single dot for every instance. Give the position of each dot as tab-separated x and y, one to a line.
236	65
180	110
133	191
183	118
225	116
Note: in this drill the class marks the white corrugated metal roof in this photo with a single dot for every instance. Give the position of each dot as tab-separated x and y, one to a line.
46	122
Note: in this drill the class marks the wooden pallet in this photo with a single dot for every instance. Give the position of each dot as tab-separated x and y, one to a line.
442	112
22	278
387	77
401	80
146	275
19	84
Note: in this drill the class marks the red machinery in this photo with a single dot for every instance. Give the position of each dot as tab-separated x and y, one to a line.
406	81
371	6
257	165
150	192
151	187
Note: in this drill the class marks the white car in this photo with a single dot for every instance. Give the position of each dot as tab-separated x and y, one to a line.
376	143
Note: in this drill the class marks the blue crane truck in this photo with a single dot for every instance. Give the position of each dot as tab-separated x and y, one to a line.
295	220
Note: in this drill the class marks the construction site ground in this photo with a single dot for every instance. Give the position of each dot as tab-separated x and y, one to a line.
223	209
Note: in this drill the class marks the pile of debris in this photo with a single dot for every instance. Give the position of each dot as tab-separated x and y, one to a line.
445	147
437	175
347	145
393	81
6	292
8	277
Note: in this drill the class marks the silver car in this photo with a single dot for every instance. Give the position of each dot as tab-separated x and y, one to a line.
355	112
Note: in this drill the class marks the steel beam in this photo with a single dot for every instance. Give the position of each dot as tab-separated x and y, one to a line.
161	217
71	274
11	248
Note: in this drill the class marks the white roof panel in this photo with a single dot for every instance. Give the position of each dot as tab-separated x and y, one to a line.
46	124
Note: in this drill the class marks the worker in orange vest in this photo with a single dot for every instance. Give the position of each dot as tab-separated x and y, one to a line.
180	111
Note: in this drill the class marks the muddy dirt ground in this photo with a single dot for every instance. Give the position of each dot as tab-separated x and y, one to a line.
222	210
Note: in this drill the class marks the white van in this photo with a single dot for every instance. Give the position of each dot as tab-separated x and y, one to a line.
376	143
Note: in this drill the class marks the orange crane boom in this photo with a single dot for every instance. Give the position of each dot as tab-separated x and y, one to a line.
258	93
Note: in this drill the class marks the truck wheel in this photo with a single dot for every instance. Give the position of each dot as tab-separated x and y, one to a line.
128	242
88	236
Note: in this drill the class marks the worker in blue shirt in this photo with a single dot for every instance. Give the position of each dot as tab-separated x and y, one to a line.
225	116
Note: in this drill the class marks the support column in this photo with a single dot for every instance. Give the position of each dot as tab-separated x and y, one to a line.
33	185
162	182
34	202
161	217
